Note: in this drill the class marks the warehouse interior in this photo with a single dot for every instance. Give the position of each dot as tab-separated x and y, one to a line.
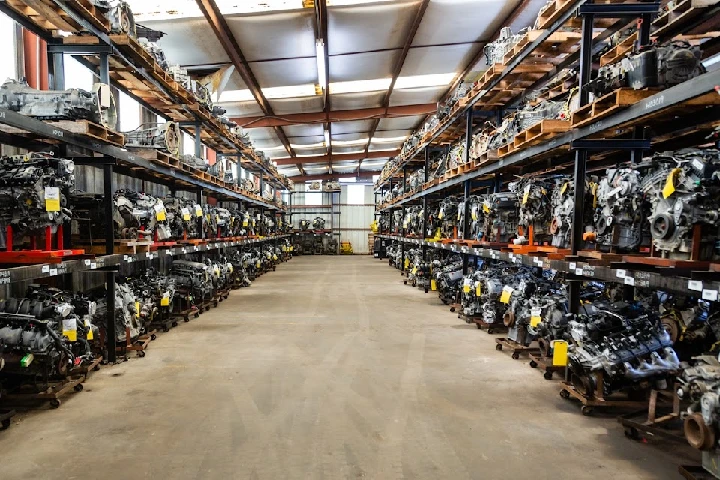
360	239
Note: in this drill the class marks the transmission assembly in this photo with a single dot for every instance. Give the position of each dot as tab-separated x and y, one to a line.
34	192
74	104
161	136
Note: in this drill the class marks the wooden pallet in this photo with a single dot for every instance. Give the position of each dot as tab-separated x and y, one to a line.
618	51
488	156
490	328
540	132
554	11
683	12
129	247
607	105
90	129
48	16
667	262
459	170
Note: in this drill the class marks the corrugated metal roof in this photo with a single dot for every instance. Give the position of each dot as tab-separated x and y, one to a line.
364	43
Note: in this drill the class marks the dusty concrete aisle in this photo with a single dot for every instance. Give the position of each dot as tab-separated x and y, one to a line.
328	368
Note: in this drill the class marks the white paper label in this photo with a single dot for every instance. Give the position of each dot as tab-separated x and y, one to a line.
45	268
629	281
53	272
93	266
573	265
579	271
620	273
711	295
696	285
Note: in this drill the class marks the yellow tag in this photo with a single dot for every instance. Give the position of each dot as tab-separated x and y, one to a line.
441	215
52	199
669	187
564	188
474	216
478	290
198	211
560	350
292	248
69	329
274	257
165	302
90	335
217	218
525	198
207	217
407	263
486	209
186	216
593	190
414	270
257	265
230	268
535	321
458	215
137	308
433	285
245	223
160	216
466	288
505	296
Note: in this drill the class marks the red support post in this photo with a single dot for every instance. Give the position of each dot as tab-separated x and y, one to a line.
60	239
48	238
9	238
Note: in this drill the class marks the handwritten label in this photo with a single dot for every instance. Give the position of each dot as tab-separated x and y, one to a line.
630	281
696	285
710	295
620	273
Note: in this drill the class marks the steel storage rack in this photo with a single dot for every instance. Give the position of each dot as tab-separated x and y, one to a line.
332	210
116	60
666	112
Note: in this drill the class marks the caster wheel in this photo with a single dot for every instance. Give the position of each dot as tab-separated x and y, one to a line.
97	367
55	403
79	387
515	356
141	353
586	411
197	315
452	309
166	329
5	424
490	330
426	290
175	324
479	327
632	433
564	394
533	364
104	362
498	347
547	375
153	337
404	282
125	358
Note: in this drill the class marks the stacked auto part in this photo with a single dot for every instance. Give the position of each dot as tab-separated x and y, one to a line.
74	104
34	191
140	215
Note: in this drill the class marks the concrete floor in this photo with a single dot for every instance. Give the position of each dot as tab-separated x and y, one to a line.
327	368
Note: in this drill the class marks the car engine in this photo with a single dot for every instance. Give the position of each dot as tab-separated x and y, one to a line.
34	192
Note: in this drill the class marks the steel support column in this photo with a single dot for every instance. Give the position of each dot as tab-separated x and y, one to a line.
104	69
199	220
108	191
466	192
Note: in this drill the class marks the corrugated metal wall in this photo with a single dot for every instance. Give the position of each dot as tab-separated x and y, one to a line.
354	219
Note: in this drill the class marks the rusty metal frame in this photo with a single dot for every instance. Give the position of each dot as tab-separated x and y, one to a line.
222	31
396	70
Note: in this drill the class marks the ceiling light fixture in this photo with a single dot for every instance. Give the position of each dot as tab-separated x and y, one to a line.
320	58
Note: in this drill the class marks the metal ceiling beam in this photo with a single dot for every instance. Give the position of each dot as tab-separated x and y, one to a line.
398	67
340	157
481	50
229	43
321	35
336	116
333	176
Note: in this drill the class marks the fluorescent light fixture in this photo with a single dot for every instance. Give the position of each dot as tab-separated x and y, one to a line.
360	86
327	138
290	91
309	145
164	9
348	179
228	7
337	151
271	149
320	59
350	143
419	81
388	139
